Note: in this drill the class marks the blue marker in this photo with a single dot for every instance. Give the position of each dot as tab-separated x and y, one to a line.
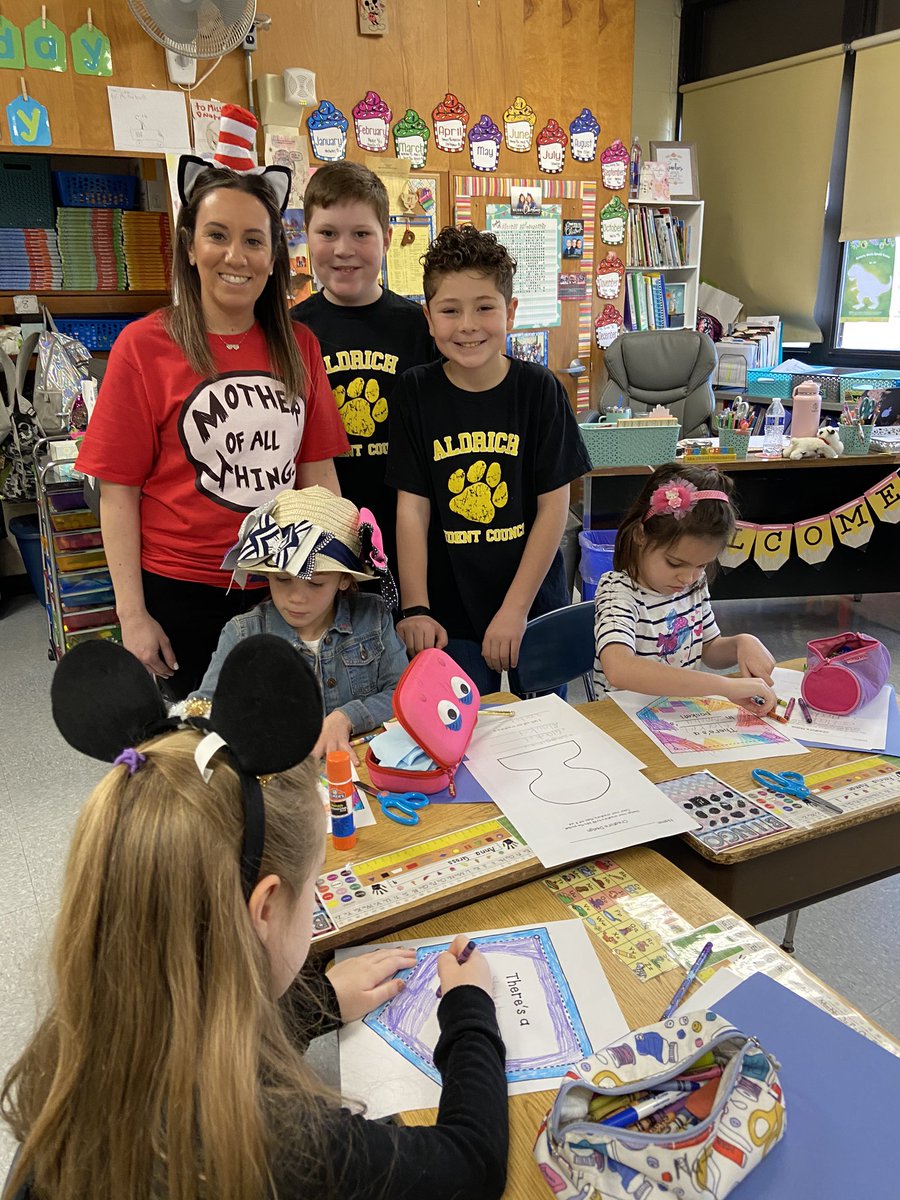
644	1108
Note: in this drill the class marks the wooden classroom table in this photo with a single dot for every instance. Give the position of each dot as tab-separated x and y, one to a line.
774	492
759	881
641	1003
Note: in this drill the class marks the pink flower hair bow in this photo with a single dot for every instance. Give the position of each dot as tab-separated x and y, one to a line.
677	499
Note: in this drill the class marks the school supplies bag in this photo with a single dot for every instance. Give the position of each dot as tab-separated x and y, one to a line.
18	434
704	1160
844	672
61	369
437	704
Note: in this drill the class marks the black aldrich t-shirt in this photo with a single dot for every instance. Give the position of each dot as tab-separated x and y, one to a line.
482	459
366	349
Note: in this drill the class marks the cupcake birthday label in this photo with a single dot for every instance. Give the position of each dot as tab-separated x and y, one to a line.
610	273
450	124
372	122
484	144
584	131
327	127
518	126
411	139
612	222
551	148
608	326
614	166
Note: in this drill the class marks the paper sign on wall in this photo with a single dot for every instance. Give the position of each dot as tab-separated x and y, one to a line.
411	139
738	548
91	51
29	122
327	127
484	144
813	539
372	122
147	119
518	126
853	523
884	499
584	131
45	46
773	545
12	55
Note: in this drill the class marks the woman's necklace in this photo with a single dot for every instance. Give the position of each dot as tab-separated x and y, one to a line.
232	345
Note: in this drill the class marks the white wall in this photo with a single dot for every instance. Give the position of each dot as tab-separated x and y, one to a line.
657	26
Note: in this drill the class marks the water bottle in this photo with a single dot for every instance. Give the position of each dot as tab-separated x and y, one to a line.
634	168
773	431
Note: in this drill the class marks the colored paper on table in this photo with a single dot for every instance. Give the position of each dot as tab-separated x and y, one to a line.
696	731
549	972
841	1138
867	729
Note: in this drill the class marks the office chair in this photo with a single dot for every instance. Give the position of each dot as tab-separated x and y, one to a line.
557	647
663	366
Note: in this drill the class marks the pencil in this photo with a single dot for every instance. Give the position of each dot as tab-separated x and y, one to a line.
365	737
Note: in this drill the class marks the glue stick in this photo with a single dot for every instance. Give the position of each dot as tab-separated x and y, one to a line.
340	799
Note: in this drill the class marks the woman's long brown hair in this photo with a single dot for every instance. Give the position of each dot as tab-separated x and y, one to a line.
165	1067
184	320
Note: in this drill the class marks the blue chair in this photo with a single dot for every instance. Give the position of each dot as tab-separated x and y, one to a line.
557	647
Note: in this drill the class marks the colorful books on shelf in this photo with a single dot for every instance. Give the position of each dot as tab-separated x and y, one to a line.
645	301
657	237
29	260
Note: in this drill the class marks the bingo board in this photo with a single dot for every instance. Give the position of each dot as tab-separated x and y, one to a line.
366	889
727	817
863	783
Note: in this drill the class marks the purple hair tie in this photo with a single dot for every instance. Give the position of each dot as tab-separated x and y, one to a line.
130	758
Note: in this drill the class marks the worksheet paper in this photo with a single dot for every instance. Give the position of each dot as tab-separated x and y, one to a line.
147	119
554	1007
862	730
570	789
695	731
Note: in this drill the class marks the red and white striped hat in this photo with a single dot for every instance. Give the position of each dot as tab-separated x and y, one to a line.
237	138
234	152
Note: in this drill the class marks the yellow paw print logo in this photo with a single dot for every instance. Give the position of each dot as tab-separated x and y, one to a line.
361	405
478	492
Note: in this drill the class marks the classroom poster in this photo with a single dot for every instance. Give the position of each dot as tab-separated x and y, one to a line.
868	280
536	245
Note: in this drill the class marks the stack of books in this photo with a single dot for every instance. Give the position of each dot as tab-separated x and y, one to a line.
29	260
90	245
148	251
647	302
656	237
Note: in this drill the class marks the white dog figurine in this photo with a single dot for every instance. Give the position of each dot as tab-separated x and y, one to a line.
826	444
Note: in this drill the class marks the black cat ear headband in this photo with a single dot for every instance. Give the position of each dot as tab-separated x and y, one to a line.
267	713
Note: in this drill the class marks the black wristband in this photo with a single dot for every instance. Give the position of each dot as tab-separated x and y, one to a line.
417	610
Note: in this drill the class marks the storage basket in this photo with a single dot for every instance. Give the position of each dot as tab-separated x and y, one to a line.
73	520
732	441
26	194
860	381
856	438
775	385
829	385
94	333
83	189
619	446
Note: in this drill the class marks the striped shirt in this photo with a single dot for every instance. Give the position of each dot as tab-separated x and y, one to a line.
672	629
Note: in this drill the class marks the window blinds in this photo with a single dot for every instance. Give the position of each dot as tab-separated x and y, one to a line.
872	179
764	142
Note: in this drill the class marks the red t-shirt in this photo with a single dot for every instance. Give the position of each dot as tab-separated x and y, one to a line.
204	452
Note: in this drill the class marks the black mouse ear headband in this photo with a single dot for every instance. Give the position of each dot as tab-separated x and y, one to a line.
235	153
267	712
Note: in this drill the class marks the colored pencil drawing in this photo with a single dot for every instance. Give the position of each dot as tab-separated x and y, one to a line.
556	780
536	1011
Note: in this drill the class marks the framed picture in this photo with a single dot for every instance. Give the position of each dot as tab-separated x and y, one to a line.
681	160
529	347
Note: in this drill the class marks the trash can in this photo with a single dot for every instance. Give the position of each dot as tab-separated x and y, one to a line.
596	558
27	533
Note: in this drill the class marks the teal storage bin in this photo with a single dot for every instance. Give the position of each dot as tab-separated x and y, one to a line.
597	547
611	445
774	385
27	533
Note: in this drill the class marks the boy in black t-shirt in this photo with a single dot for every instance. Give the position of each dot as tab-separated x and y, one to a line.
483	449
369	336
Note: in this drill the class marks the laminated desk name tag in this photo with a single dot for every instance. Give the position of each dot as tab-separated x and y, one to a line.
437	704
584	1146
844	672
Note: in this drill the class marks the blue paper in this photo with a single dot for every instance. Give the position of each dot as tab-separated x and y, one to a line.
840	1093
891	737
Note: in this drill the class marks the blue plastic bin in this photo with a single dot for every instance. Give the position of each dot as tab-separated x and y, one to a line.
27	533
596	558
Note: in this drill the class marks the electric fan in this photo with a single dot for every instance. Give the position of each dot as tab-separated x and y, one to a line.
192	29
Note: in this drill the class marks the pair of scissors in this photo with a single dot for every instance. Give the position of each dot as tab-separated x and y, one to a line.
402	807
788	783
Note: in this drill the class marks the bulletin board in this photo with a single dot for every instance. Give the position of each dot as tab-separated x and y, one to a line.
577	199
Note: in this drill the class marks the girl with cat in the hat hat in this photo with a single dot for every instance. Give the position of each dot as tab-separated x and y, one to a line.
207	410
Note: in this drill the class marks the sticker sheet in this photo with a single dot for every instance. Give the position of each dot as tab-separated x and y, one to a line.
727	817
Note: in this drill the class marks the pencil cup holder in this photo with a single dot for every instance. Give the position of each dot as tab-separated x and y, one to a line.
732	441
856	438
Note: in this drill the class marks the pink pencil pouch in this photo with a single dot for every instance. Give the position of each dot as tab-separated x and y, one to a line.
437	704
844	672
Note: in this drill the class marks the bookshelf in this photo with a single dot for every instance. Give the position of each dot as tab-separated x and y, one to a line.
642	259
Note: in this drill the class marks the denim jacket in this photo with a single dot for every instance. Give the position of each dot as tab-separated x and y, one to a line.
359	661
